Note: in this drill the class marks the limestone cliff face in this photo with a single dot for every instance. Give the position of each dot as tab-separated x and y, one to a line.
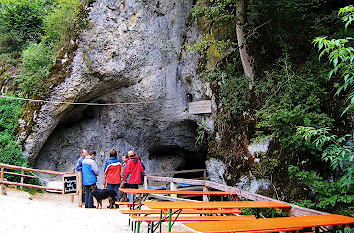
132	53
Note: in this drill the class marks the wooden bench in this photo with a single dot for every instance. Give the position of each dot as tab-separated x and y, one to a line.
272	224
150	220
185	211
123	203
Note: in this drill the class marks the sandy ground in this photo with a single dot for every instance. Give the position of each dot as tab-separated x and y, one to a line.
55	213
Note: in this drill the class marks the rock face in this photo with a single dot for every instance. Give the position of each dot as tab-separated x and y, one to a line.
132	55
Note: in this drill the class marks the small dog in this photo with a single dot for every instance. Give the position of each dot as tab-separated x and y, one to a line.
101	194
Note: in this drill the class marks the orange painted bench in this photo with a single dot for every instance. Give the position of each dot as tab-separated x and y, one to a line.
124	203
270	224
150	219
206	212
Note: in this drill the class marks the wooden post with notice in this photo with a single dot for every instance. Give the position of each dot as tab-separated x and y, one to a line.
3	192
79	186
72	196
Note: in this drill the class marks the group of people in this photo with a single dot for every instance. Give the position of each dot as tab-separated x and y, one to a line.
128	172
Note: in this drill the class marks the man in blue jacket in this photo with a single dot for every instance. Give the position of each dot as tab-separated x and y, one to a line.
89	177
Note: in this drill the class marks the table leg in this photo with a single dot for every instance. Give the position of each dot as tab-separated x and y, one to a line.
138	229
152	227
161	220
170	221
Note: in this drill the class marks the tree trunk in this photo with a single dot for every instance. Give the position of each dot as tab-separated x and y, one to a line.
246	59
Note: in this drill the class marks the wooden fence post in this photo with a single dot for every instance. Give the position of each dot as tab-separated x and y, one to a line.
205	197
22	179
145	182
173	186
3	192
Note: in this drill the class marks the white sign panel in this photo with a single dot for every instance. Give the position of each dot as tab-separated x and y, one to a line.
199	107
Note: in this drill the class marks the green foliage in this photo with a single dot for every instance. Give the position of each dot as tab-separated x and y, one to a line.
233	87
338	151
38	30
201	133
62	22
266	167
341	56
21	21
328	194
37	61
10	149
291	99
215	12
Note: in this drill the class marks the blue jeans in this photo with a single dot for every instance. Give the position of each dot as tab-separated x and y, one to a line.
131	186
89	196
115	188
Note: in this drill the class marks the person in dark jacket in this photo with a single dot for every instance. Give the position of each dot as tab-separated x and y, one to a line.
132	172
112	171
89	177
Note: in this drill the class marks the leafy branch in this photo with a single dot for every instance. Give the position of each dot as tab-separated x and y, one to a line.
340	56
337	150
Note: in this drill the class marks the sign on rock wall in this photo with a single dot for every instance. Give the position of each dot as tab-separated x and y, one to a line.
199	107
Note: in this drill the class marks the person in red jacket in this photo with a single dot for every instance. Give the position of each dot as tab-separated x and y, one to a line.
132	172
112	171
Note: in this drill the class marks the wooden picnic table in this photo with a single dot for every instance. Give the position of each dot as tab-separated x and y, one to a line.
180	205
270	224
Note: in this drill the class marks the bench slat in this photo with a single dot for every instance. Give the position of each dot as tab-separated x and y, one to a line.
227	211
193	218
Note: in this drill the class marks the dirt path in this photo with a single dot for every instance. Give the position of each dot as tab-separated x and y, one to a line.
55	213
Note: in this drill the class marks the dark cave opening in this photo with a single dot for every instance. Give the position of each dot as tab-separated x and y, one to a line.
192	159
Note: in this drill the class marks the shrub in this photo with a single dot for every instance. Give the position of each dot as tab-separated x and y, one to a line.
10	149
61	23
21	21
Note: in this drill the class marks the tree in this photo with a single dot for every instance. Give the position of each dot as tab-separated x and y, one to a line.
246	58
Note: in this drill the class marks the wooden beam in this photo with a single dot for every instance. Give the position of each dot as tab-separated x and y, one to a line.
29	185
33	170
178	172
18	174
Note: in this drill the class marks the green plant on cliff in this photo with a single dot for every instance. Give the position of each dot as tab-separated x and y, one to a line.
20	22
10	149
33	36
291	99
62	22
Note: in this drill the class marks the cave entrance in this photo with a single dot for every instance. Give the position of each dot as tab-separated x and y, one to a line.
184	160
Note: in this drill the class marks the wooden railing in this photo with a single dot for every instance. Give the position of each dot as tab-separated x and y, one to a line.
294	211
4	182
180	172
